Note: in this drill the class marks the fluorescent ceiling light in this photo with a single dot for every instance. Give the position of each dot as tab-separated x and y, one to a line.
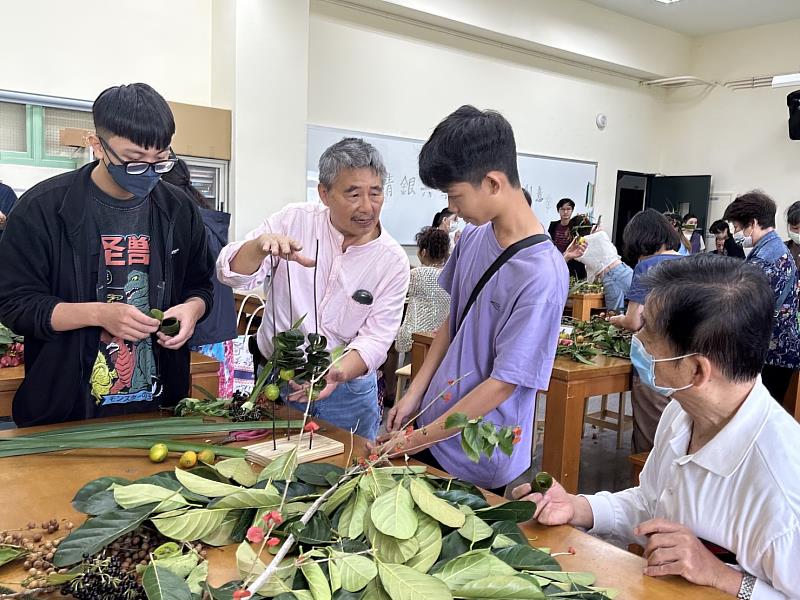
666	1
786	80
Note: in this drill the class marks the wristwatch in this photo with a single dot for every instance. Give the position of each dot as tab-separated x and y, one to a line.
746	589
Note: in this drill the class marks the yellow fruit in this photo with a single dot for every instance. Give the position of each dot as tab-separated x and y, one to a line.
207	456
188	460
581	240
158	452
579	339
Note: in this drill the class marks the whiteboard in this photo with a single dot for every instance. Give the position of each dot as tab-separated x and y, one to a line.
409	205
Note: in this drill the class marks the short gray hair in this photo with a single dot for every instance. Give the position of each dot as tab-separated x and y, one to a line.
349	153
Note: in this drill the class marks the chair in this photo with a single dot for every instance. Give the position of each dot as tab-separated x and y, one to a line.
403	375
609	419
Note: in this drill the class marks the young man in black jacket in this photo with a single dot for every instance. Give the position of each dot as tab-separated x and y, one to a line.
86	255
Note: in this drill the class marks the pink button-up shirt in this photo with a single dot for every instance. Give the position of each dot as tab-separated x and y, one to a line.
381	267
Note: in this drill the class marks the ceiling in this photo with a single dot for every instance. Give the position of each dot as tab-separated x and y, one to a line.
703	17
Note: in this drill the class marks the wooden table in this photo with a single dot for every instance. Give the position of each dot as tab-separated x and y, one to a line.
42	486
571	383
582	305
204	370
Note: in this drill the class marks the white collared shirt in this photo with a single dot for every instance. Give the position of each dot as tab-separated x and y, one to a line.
740	491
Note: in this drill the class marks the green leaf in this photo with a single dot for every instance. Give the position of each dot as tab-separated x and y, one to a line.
375	591
475	529
248	563
189	525
471	566
469	450
453	545
10	554
342	594
387	548
580	578
463	498
507	587
97	532
201	485
351	522
355	570
511	530
429	538
458	420
317	582
317	473
525	558
249	499
340	495
197	578
403	470
393	513
437	508
180	564
334	575
404	583
281	468
502	541
377	482
506	442
81	498
101	503
162	584
517	511
223	535
237	469
317	531
139	494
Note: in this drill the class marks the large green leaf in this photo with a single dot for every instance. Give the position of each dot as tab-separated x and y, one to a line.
237	469
316	532
281	468
9	554
377	483
317	582
96	533
197	578
351	522
517	511
343	594
437	508
525	558
429	537
501	540
471	566
475	529
101	503
223	535
163	584
580	578
393	513
340	495
355	570
464	498
82	496
268	499
453	545
206	487
404	583
375	591
139	494
387	548
510	530
180	564
318	473
249	564
507	587
189	525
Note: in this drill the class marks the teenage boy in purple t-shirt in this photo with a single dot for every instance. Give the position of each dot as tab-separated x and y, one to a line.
505	347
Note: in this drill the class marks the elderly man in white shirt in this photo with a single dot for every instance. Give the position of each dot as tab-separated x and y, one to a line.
724	474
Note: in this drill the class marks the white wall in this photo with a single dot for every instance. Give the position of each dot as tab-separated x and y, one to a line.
374	74
739	137
77	49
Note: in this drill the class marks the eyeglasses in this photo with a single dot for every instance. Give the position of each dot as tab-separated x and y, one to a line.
137	167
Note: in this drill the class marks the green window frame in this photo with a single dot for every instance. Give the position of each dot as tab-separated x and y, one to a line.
35	156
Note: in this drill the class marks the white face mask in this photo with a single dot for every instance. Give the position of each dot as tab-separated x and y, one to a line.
745	241
795	237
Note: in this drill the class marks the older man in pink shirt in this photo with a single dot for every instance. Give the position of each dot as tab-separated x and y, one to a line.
362	278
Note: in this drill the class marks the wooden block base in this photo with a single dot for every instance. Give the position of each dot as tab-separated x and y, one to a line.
265	452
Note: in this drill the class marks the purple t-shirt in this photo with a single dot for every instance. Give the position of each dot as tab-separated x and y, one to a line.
638	291
510	334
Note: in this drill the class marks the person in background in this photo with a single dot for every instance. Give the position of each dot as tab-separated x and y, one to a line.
361	280
650	239
7	200
86	256
725	245
501	350
753	218
562	233
449	223
718	502
428	303
691	234
684	248
215	334
793	222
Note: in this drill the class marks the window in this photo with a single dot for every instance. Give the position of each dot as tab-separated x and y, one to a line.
13	128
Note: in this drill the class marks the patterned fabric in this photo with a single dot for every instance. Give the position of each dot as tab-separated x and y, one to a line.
773	258
428	306
223	352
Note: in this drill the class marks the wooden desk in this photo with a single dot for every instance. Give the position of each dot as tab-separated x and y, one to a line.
42	487
571	383
582	305
204	370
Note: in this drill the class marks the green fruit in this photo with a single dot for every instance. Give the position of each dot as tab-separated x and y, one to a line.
158	452
286	374
273	392
157	314
207	456
188	459
170	326
542	482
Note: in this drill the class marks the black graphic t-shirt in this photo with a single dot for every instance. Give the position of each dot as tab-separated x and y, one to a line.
124	376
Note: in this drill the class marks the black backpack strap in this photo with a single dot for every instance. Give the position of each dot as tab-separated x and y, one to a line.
504	257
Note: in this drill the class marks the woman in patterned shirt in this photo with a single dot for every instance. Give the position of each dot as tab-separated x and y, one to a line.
753	218
428	303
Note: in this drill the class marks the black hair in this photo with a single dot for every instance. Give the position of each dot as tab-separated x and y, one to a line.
675	219
564	201
441	216
696	306
647	232
793	214
750	207
688	216
580	225
179	176
527	195
435	242
467	145
135	112
720	226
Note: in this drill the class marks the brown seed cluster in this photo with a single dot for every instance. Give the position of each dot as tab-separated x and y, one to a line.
41	548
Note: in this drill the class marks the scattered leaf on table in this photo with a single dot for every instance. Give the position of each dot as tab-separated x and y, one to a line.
393	513
525	558
318	473
79	501
471	566
429	538
340	495
517	511
317	582
279	583
139	494
249	499
206	487
281	468
505	587
387	548
10	553
435	507
355	570
163	584
189	525
463	498
197	578
237	469
404	583
351	521
475	529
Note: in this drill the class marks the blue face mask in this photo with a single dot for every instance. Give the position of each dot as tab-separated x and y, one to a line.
646	367
138	185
